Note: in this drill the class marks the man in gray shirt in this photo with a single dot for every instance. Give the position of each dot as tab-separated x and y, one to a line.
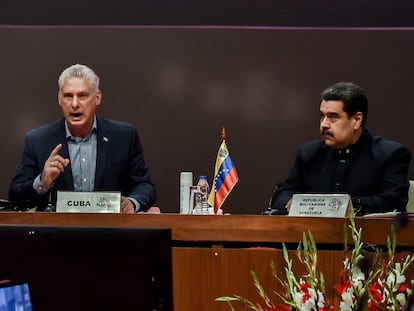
82	152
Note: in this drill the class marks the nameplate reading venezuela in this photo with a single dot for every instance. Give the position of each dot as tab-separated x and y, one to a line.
320	205
88	202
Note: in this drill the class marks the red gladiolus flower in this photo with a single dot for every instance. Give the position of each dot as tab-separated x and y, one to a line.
305	289
375	291
304	286
403	288
341	287
372	306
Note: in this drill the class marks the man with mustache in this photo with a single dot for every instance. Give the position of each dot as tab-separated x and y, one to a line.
82	152
348	159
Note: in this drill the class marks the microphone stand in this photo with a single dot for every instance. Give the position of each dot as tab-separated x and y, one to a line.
50	207
269	210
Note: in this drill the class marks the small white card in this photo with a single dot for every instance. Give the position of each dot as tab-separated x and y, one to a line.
88	202
320	205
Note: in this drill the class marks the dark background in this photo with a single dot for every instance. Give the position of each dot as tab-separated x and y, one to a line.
301	13
180	70
72	268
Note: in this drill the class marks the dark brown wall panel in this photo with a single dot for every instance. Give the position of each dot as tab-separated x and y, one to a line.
179	86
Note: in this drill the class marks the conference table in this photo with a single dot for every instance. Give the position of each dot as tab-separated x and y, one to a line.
213	255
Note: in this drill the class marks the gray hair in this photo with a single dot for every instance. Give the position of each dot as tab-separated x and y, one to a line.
79	71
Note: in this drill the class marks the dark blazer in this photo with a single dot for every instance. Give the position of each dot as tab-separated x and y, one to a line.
120	164
374	171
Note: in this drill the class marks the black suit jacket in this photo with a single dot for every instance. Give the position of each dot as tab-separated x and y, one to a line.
374	171
120	164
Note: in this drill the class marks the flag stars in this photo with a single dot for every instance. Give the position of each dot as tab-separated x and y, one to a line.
222	172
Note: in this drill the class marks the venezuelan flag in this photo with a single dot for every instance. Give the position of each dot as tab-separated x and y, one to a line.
225	178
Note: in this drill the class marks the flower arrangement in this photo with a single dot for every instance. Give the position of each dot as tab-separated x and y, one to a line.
371	283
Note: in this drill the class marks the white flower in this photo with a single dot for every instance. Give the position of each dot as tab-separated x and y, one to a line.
401	299
321	299
395	279
348	295
297	298
312	293
358	278
309	305
345	306
315	301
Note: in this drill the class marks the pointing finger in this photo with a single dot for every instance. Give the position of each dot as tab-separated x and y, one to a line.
56	150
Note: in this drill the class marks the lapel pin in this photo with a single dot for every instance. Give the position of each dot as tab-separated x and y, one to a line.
105	139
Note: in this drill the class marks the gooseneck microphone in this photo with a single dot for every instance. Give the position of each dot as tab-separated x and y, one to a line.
269	210
50	207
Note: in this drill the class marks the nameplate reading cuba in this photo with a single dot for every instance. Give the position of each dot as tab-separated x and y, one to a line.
88	202
320	205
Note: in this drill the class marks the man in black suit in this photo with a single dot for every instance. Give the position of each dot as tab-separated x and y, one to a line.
82	152
349	159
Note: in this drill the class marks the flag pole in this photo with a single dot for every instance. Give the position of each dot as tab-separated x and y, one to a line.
225	176
223	134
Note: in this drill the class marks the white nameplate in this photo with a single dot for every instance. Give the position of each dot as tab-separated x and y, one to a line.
320	205
88	202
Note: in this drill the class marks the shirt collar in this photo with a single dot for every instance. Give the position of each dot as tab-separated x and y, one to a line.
69	135
351	148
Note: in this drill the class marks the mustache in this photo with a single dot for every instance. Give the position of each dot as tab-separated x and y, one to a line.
326	132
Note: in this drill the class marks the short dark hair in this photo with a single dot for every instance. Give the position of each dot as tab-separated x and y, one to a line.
351	95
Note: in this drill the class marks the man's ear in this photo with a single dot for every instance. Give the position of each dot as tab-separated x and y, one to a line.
59	94
357	118
98	98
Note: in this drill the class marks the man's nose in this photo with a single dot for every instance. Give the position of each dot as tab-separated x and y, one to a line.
75	101
324	122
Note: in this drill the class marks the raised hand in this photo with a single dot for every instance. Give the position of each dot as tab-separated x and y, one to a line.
54	166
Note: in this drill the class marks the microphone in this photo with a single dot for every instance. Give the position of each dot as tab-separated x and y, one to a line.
50	207
269	210
6	206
